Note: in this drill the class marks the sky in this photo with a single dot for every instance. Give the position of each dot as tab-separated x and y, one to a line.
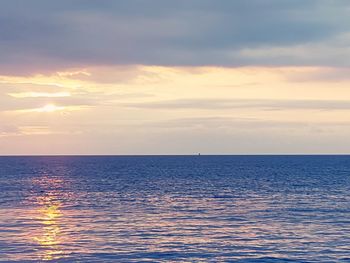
174	77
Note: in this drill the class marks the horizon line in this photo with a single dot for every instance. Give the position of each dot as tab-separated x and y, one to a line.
173	155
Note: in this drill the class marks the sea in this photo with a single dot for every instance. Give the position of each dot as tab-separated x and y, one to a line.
175	209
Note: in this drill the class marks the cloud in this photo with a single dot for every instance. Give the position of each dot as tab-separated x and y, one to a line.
10	103
11	130
7	130
39	35
40	95
320	75
267	104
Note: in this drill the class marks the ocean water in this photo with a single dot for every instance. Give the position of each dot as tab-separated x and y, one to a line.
175	209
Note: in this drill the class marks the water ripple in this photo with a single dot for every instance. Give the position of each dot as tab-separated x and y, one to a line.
175	209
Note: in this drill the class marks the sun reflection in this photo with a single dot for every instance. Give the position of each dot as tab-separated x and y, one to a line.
51	212
49	237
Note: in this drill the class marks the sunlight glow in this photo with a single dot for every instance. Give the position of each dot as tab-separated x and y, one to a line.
49	108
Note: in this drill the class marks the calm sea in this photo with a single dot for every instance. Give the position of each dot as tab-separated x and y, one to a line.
175	209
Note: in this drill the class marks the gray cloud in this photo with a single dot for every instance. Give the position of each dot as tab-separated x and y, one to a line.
41	35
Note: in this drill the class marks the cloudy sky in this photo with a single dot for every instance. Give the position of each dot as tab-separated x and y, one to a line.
174	77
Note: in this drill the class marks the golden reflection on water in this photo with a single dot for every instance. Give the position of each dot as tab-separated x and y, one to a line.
48	214
50	236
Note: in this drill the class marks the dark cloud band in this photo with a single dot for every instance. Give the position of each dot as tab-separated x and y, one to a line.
41	35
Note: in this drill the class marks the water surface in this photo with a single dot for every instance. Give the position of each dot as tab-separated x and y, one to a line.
175	209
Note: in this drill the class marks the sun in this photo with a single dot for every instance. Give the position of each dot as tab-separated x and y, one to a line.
50	108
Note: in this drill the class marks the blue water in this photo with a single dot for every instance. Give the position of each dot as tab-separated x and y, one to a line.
175	209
